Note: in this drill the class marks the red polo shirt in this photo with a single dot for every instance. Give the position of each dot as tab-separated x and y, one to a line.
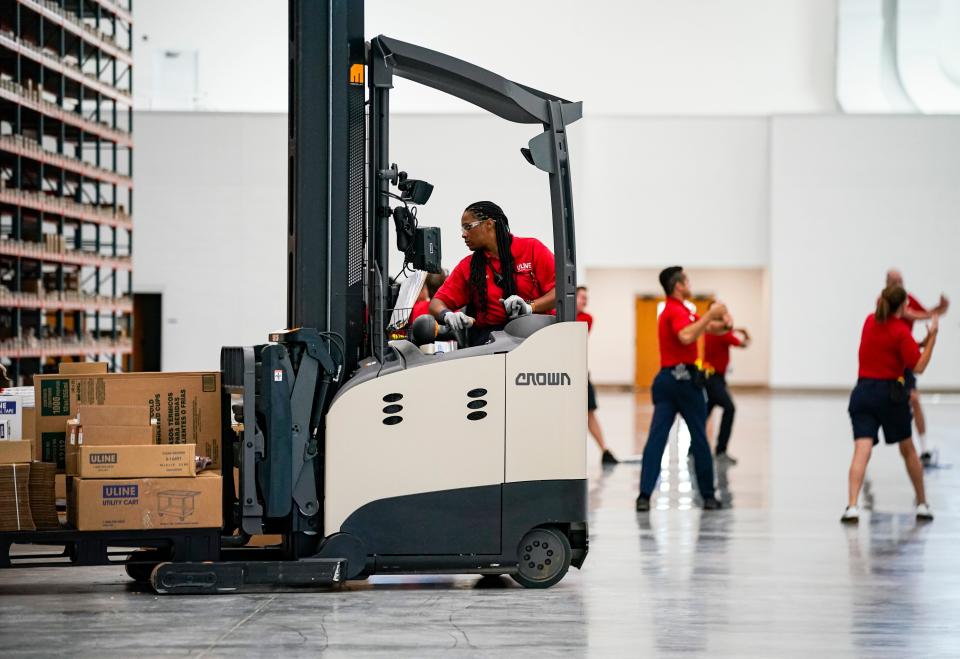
914	305
886	349
674	318
534	274
584	317
716	350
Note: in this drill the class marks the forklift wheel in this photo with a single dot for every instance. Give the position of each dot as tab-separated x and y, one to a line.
147	559
543	558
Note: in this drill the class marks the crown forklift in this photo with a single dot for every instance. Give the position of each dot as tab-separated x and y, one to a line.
369	456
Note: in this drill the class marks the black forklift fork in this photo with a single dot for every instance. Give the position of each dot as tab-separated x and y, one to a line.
285	387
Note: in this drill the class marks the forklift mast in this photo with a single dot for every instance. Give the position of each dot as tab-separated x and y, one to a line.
326	170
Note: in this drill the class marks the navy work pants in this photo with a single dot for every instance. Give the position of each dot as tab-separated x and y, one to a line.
719	396
672	397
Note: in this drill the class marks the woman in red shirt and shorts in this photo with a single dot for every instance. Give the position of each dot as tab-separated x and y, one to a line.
881	401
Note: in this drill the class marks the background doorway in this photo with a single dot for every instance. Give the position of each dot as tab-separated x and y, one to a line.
147	317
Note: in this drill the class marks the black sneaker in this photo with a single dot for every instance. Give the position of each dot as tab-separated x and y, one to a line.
712	503
643	504
609	458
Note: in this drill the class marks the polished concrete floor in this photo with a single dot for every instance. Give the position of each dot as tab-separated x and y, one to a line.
774	575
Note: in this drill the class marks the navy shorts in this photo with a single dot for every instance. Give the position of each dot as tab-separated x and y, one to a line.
880	404
909	380
591	397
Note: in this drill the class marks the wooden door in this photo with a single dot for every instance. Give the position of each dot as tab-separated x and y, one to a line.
647	345
646	342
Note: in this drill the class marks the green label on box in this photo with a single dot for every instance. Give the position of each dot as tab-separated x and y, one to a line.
52	448
209	382
55	398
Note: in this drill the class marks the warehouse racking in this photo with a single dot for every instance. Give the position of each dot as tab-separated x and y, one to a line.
66	187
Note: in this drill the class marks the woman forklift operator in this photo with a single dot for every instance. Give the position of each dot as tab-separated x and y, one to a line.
506	276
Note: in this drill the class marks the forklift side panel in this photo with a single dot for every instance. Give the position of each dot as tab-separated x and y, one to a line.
414	431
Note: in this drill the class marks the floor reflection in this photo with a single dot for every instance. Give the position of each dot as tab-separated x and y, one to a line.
775	573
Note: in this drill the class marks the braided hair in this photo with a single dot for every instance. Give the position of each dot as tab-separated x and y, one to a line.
487	210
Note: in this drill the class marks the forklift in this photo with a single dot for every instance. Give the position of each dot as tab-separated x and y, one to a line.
371	456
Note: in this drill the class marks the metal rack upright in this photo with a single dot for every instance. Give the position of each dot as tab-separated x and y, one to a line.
66	186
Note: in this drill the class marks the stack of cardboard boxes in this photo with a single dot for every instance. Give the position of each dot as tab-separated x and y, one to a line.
26	487
120	479
127	442
135	437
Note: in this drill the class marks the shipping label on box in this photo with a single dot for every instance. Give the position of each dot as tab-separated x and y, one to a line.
153	460
145	503
185	405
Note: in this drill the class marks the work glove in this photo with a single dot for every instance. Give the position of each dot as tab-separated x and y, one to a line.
457	320
516	307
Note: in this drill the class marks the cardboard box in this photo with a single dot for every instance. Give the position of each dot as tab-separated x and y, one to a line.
152	461
81	434
82	368
29	424
115	435
145	503
186	406
114	415
60	487
16	451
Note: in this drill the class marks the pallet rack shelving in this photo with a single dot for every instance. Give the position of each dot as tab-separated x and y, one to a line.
66	183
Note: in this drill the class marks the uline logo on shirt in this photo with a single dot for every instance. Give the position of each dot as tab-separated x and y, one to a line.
542	379
524	267
103	458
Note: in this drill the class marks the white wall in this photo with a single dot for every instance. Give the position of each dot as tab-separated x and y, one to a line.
638	181
620	57
647	180
613	339
852	197
241	48
210	229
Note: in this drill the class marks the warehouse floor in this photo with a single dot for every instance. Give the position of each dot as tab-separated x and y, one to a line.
774	575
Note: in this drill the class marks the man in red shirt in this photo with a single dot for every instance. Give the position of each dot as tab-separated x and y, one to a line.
506	276
608	458
912	312
678	388
716	359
